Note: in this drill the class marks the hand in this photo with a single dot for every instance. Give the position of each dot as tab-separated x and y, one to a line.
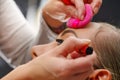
79	5
54	64
95	4
59	9
55	12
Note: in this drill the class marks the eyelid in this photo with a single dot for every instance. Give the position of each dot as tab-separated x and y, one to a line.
59	41
69	31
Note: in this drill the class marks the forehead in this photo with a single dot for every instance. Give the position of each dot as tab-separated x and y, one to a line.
84	33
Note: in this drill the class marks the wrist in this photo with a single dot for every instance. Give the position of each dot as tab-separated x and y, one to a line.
19	73
50	21
59	29
55	25
37	72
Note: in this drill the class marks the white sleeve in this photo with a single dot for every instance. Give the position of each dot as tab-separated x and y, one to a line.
45	34
16	35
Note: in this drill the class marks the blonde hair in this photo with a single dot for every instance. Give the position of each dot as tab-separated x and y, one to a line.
106	44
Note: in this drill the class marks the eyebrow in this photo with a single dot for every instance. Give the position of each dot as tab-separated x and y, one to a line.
69	31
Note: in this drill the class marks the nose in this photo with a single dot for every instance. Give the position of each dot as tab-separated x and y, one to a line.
41	49
34	52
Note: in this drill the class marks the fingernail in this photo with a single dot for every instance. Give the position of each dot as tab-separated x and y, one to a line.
82	17
81	14
95	10
76	14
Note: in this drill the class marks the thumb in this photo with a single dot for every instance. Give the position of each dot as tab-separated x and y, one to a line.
69	45
96	4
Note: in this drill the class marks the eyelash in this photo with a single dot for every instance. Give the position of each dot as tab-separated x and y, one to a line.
59	41
86	50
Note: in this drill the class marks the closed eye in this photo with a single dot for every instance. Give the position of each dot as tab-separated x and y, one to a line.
69	31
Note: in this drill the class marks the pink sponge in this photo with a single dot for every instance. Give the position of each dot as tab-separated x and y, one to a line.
76	23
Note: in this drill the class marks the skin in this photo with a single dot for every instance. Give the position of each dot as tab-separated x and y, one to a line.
81	68
76	11
54	64
85	33
51	61
56	56
89	32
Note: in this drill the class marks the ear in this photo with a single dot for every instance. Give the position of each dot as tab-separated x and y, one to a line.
101	74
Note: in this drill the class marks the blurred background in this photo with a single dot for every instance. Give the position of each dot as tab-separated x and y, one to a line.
109	11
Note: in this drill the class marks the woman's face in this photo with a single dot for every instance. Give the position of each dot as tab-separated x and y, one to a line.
84	33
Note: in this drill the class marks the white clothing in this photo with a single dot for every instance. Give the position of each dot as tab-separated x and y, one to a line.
17	36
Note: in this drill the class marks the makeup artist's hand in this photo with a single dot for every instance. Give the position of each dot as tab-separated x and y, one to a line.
54	64
95	4
55	11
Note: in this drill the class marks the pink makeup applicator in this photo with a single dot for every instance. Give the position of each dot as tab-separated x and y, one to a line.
77	23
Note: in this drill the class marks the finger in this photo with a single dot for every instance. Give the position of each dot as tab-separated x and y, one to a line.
96	4
79	4
80	66
87	1
69	45
74	55
83	62
71	11
82	76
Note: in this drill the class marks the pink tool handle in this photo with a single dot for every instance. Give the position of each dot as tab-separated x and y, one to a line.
67	2
76	23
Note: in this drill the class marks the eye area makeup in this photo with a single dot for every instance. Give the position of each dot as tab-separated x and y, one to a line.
59	41
87	50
